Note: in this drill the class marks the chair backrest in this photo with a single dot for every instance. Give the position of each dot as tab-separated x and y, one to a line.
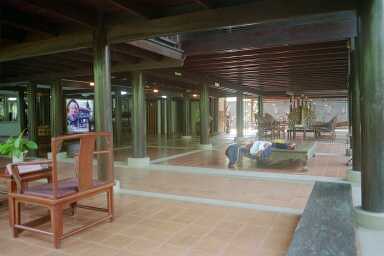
96	150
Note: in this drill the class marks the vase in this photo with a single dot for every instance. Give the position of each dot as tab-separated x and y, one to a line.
16	159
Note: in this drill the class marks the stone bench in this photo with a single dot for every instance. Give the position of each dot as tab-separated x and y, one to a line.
326	225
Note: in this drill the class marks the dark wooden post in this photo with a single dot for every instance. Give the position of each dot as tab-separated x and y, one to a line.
356	125
215	115
204	115
32	114
57	109
118	116
138	117
21	103
103	95
240	116
187	117
159	117
372	110
260	105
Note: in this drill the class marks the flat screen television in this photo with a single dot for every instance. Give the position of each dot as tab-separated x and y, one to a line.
79	115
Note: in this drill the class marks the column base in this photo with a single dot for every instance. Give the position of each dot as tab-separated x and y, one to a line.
353	176
206	146
186	137
138	162
369	220
59	156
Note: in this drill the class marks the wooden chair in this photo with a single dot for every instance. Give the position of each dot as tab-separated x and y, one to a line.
67	191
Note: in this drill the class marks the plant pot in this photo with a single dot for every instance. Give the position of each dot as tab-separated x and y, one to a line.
16	159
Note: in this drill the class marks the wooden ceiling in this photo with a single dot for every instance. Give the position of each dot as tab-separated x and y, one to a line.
42	40
278	70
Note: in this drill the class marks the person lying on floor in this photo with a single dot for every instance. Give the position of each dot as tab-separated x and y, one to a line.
257	149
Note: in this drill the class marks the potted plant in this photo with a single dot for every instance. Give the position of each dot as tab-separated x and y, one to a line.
17	147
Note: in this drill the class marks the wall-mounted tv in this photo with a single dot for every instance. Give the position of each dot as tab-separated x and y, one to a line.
79	115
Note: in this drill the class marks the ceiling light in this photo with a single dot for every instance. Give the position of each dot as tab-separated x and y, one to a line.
164	96
92	84
178	73
217	84
12	99
155	90
123	92
194	95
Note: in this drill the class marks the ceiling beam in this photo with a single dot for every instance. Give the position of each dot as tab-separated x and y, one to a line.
254	13
128	7
153	46
271	35
119	68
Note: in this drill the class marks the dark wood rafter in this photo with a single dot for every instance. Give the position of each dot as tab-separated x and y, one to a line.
253	13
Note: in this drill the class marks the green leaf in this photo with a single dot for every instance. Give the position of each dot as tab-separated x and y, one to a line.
31	145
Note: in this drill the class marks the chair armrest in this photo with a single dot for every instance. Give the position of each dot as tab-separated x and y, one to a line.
15	173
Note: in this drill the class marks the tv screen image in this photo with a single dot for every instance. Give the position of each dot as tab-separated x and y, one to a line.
79	115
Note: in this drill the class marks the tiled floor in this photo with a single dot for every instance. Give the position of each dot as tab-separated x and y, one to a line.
152	152
331	161
272	193
146	226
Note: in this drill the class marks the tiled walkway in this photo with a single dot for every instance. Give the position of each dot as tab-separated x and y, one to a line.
146	226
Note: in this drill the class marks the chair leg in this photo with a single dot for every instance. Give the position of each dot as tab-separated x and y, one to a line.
57	224
110	203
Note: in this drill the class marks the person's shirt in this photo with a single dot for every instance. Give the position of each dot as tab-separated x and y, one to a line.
258	146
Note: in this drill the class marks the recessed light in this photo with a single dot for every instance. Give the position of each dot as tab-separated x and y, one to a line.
92	84
194	95
155	90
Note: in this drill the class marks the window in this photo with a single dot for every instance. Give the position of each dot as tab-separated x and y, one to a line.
8	108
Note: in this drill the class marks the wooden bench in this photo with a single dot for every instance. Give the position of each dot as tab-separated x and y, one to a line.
326	225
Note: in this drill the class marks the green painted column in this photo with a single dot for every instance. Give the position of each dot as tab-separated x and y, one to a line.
356	124
57	109
187	116
204	115
139	116
32	114
118	116
103	94
21	103
372	108
240	116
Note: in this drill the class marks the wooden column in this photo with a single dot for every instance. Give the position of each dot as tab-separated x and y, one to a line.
372	110
260	105
187	116
356	118
103	95
240	116
159	119
204	115
138	117
215	115
22	118
57	109
118	116
32	114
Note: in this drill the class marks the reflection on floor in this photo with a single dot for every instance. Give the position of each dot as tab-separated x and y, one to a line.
146	226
